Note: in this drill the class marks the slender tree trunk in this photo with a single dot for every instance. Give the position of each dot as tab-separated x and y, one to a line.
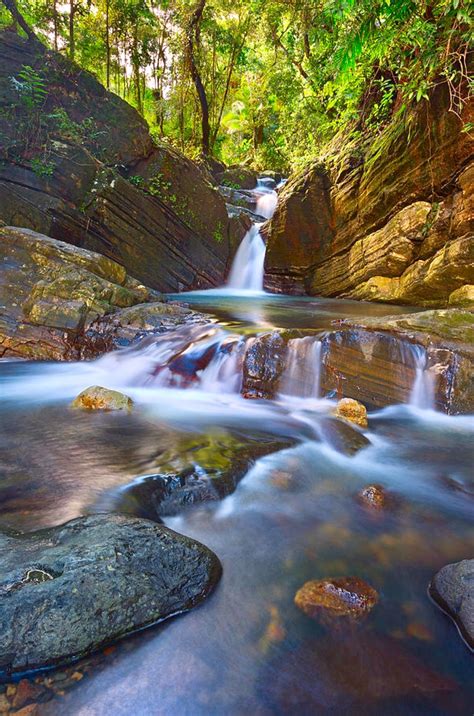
192	39
19	19
107	44
72	39
55	23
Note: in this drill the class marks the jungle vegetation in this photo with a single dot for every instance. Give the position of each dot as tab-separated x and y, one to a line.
269	83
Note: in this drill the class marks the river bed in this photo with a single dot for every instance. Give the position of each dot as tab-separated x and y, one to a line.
293	517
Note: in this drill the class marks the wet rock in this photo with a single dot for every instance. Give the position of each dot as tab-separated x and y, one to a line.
341	436
462	297
452	588
374	497
26	693
98	398
328	599
105	576
366	673
203	469
264	363
375	359
352	411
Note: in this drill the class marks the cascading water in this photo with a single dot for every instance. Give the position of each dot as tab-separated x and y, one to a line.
247	269
302	375
423	391
248	266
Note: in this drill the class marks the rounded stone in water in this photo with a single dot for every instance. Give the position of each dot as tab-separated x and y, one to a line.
326	599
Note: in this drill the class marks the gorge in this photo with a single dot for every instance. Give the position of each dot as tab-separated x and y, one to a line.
235	394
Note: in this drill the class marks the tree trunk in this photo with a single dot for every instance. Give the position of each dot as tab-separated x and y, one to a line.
72	39
19	19
107	44
192	39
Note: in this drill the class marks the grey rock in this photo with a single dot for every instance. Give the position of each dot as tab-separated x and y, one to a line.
69	590
452	588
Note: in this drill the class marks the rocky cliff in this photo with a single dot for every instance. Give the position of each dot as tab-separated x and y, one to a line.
78	164
392	223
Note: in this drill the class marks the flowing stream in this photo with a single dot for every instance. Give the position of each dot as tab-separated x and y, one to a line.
293	516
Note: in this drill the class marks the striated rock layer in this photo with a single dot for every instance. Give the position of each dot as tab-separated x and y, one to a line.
396	225
90	174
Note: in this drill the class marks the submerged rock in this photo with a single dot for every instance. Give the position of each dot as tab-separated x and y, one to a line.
374	497
205	469
98	398
352	411
66	591
327	599
342	436
452	588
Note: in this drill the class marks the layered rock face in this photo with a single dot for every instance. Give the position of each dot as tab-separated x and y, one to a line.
60	302
90	174
396	227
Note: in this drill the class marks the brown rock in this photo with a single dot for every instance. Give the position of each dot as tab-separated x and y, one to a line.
374	497
352	411
26	693
334	598
264	363
5	705
98	398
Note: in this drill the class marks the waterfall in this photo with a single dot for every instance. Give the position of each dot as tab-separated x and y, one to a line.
267	199
301	377
247	269
423	391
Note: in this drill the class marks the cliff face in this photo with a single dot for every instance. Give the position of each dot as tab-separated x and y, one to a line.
395	225
78	164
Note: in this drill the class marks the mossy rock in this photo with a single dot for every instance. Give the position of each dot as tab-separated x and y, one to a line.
98	398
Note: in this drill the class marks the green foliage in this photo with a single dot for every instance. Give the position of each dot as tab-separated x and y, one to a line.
282	78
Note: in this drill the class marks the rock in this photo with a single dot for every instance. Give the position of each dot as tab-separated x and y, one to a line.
452	588
26	693
98	398
386	252
300	228
374	360
276	176
341	436
199	470
70	590
462	297
374	497
372	226
328	599
264	363
343	673
140	203
238	178
353	411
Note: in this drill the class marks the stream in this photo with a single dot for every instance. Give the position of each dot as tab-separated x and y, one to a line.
294	516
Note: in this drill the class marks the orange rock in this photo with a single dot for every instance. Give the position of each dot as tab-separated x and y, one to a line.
374	497
336	597
352	411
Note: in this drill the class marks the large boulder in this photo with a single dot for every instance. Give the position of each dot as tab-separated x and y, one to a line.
92	176
388	223
264	363
61	302
70	590
452	588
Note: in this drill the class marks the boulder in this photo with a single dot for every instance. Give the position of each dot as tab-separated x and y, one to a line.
203	469
352	411
70	590
105	185
237	177
329	599
463	297
341	436
264	363
98	398
452	588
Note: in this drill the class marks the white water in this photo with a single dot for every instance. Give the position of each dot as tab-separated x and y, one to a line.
423	390
267	200
302	375
247	269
